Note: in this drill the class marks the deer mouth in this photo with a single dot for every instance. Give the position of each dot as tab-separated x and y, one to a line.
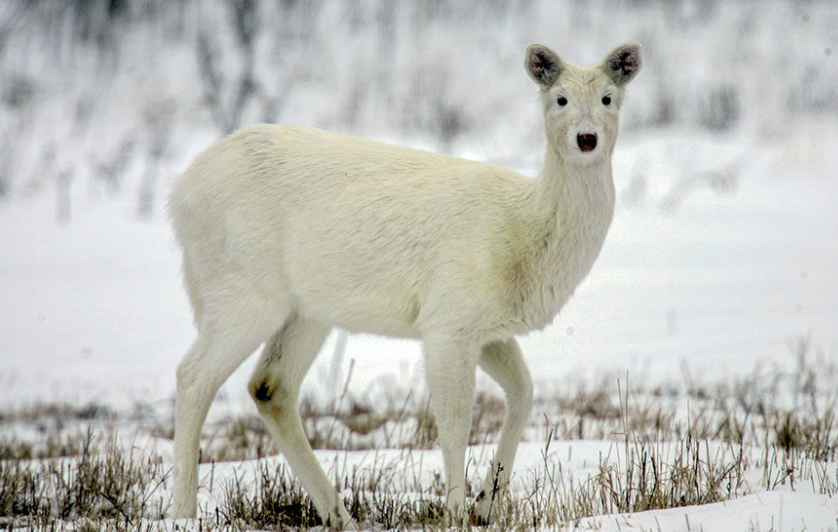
586	141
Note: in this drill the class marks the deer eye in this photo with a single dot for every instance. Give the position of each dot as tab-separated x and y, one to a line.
606	100
562	101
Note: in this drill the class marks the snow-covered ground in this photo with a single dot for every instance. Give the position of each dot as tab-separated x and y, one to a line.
800	509
767	511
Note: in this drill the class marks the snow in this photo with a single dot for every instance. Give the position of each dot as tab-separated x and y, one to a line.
789	512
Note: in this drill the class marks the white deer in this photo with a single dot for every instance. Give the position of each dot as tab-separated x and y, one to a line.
288	231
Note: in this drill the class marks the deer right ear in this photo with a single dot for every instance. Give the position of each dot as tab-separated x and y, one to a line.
543	65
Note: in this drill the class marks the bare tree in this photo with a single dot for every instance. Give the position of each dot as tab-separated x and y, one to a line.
159	118
5	166
110	168
63	180
228	103
11	17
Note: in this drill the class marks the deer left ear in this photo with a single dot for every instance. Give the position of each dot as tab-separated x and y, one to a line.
623	63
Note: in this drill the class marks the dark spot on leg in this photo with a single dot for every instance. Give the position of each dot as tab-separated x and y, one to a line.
263	393
480	496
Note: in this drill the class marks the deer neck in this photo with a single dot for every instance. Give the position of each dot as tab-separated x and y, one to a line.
573	194
573	206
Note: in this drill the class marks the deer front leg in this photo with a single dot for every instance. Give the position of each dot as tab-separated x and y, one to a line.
450	371
504	363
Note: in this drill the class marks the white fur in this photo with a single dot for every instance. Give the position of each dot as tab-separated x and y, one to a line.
288	231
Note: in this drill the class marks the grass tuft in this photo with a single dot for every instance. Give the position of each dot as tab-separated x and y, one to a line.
102	483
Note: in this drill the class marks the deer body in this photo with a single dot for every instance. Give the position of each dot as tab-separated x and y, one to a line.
288	231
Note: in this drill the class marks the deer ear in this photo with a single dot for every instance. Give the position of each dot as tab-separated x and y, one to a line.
623	63
543	65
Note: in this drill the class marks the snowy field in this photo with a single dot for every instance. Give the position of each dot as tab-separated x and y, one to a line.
706	333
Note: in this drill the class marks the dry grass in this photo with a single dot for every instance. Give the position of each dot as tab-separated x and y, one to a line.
673	445
53	445
277	501
240	438
58	414
102	483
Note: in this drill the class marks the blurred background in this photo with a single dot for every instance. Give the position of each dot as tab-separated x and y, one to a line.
723	246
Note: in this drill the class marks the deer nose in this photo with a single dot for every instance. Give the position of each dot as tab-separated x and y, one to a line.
586	141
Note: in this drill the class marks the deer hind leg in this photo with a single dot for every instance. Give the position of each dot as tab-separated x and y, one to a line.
505	364
275	388
225	340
